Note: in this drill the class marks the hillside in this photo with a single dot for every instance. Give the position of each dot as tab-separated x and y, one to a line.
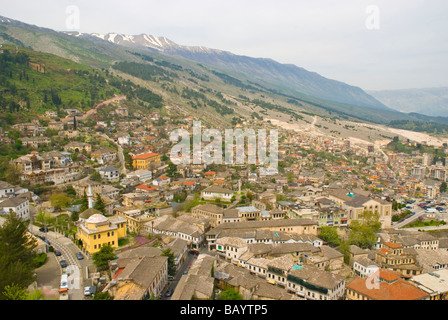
33	82
219	94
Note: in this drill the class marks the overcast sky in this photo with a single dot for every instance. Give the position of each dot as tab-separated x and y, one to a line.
373	44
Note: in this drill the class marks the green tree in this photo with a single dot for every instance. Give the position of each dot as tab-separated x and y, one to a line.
99	204
16	254
230	294
363	231
15	292
101	258
102	296
344	248
172	170
443	187
60	200
330	235
84	203
95	176
171	264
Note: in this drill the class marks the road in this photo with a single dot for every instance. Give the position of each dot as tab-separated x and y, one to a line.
182	270
75	270
419	212
120	153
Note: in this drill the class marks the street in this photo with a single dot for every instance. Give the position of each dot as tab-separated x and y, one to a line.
49	275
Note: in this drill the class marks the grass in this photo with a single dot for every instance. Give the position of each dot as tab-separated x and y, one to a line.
431	223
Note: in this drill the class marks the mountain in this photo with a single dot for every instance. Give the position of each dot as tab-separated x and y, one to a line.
212	83
287	78
428	101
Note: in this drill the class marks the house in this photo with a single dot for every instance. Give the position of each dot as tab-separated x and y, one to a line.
355	203
312	283
123	138
6	189
169	226
145	160
161	181
19	205
103	155
82	187
110	173
434	283
35	142
142	174
56	125
98	230
288	226
394	256
215	192
110	191
179	249
76	146
198	283
209	211
135	216
138	278
384	285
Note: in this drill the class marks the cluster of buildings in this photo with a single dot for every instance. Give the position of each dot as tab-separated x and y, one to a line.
258	231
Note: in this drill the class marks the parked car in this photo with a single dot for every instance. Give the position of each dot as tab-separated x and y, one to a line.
87	291
43	229
63	263
57	253
79	255
169	292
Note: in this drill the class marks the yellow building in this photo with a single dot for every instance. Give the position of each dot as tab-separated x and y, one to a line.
98	231
145	160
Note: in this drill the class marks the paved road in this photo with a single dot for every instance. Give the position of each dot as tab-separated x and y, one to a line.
49	275
120	153
419	212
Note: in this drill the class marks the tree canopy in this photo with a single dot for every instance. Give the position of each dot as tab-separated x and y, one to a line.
17	255
363	231
102	257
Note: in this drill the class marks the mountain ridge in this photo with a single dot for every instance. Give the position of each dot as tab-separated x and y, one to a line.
295	79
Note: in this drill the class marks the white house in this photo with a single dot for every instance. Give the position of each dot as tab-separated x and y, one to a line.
364	267
19	205
124	138
142	175
110	173
161	181
215	192
6	189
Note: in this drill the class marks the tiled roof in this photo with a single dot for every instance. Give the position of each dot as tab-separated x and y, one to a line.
145	156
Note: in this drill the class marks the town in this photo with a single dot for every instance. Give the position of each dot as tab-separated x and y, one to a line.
116	218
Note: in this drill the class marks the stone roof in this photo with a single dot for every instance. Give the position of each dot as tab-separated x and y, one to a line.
313	275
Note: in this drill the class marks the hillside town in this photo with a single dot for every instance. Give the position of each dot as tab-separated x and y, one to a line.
337	221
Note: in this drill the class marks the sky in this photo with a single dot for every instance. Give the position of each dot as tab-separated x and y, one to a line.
373	44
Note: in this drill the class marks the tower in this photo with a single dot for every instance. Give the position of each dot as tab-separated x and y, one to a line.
90	196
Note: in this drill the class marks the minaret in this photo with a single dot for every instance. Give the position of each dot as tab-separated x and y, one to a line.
90	196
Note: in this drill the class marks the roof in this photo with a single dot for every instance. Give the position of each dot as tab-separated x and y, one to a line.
432	282
394	288
97	218
145	156
217	189
314	276
12	202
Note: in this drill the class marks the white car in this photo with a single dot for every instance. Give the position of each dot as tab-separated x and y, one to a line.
87	291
